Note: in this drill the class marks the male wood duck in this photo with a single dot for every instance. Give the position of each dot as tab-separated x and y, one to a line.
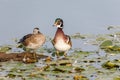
32	42
61	42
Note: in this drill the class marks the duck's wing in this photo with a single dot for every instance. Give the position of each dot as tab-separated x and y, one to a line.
68	40
24	38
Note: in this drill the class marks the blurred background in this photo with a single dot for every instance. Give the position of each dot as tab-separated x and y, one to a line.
19	17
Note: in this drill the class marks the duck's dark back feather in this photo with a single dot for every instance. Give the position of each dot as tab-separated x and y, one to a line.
24	38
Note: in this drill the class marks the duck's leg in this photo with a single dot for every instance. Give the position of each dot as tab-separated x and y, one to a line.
65	53
57	61
57	54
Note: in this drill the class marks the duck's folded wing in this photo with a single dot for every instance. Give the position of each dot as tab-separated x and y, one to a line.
68	40
24	38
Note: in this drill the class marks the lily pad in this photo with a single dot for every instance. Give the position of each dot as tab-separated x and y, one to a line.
5	48
80	77
117	78
110	65
106	44
77	36
101	37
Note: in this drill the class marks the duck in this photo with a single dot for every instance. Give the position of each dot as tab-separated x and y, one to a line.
61	41
32	42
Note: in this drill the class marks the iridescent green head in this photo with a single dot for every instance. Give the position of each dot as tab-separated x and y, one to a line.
58	23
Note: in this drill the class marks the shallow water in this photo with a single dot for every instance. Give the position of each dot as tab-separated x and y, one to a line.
85	54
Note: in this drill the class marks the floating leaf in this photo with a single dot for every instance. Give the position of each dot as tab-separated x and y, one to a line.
5	48
77	36
112	49
81	52
80	77
110	65
60	62
117	78
11	75
100	39
78	69
63	69
106	43
110	27
20	45
48	59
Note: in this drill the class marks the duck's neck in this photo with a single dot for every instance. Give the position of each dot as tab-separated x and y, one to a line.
59	32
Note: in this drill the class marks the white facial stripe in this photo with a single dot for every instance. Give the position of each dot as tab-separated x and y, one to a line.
59	26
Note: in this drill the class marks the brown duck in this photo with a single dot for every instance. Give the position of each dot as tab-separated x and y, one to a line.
32	42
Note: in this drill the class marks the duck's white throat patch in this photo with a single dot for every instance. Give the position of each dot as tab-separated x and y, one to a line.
59	26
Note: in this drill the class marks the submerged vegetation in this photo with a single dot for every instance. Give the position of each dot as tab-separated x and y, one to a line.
98	60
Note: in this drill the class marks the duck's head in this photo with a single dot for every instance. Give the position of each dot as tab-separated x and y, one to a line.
58	23
36	30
